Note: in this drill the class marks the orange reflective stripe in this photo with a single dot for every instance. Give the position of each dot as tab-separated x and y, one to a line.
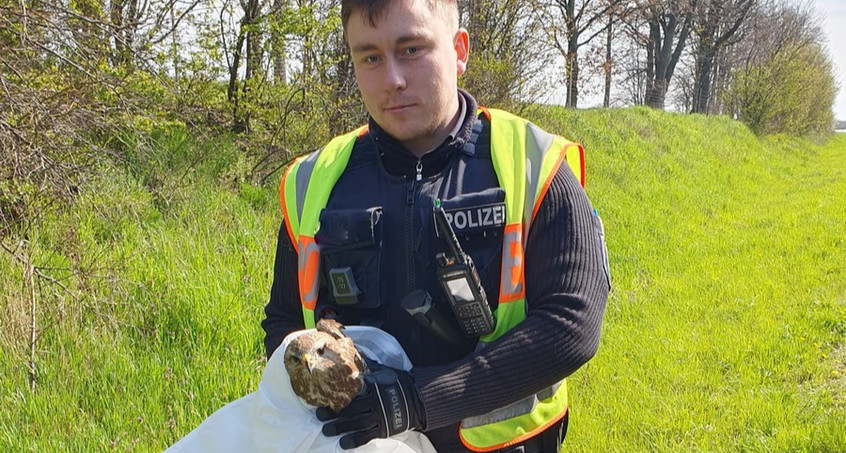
307	195
309	263
486	112
582	165
576	161
284	205
511	277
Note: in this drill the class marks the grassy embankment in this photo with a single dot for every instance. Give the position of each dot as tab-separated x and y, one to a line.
726	329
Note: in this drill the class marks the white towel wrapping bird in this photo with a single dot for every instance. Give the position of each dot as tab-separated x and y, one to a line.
274	419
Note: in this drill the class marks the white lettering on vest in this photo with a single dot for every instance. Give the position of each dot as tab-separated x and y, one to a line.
460	220
499	216
477	217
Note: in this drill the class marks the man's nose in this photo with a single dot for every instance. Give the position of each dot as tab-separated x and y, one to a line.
394	75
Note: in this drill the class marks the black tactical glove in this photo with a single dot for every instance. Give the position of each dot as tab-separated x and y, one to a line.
388	405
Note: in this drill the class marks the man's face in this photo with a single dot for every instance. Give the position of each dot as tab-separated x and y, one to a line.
407	68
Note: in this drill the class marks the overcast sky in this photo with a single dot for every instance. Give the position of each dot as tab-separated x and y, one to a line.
833	13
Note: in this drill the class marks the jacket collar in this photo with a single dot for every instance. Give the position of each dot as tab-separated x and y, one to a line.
397	160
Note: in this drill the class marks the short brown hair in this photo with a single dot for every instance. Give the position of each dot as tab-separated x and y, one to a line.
372	10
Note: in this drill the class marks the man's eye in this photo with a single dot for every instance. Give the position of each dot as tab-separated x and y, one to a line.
371	59
412	50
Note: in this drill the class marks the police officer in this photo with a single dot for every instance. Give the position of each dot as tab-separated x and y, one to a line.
359	236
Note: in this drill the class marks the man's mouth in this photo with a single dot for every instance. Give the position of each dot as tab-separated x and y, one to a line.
398	108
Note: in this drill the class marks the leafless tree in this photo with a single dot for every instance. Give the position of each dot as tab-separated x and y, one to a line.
572	24
794	22
662	28
609	62
504	53
613	34
246	46
717	23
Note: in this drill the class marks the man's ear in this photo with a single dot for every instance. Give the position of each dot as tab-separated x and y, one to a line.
461	42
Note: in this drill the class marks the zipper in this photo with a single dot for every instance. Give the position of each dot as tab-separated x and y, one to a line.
409	247
409	234
409	228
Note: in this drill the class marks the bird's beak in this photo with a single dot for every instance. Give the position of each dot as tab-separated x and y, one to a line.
307	360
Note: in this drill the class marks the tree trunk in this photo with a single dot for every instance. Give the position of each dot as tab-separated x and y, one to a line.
718	21
722	71
606	100
662	54
232	92
278	45
118	56
254	56
656	91
247	37
572	59
130	26
702	84
572	72
174	45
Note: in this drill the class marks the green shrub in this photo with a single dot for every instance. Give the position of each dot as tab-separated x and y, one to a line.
792	93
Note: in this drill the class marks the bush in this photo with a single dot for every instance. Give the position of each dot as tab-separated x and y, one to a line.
792	93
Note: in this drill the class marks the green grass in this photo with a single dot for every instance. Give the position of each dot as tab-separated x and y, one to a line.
725	330
165	329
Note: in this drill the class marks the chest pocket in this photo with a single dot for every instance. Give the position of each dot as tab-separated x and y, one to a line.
478	220
350	243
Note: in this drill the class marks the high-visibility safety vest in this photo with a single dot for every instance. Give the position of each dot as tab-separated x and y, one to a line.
525	160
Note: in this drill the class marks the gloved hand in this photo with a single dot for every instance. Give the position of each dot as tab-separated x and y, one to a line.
387	406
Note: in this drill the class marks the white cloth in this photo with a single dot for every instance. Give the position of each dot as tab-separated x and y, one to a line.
274	419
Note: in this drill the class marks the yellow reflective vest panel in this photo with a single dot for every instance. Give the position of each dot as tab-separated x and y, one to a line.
525	160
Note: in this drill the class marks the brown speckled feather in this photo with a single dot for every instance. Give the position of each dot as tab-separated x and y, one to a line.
324	366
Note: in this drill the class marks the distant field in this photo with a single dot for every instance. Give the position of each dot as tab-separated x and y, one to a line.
725	331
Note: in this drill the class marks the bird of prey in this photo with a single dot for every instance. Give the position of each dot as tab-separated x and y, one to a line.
324	366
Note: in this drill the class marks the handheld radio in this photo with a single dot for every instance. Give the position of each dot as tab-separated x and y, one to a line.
460	282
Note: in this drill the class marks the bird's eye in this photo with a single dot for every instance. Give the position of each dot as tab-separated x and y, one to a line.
321	350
